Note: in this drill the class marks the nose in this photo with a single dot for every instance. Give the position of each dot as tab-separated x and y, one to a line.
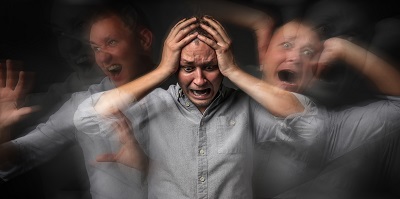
199	78
103	57
293	55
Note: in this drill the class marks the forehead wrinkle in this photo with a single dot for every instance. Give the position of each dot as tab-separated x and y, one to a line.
197	54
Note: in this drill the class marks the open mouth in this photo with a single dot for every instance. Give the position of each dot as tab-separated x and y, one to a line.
84	62
114	69
201	93
288	76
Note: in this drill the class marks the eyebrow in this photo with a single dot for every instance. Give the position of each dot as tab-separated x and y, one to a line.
184	61
107	38
290	38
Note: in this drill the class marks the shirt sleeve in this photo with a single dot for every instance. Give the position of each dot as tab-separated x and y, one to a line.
88	121
96	135
301	129
46	140
351	127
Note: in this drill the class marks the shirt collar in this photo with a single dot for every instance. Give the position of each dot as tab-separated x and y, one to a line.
221	95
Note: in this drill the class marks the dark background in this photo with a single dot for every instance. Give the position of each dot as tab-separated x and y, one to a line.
25	35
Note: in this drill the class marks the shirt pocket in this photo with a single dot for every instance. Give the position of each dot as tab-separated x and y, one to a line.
233	134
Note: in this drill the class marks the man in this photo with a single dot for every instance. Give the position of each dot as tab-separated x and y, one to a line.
122	44
292	57
67	22
198	134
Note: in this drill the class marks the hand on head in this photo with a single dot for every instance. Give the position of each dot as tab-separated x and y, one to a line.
179	36
220	42
333	50
187	30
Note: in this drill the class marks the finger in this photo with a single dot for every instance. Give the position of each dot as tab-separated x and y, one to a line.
263	39
172	31
208	41
20	84
124	129
186	40
214	24
216	36
117	129
27	84
321	66
181	25
10	79
108	157
26	110
185	31
19	114
129	130
179	22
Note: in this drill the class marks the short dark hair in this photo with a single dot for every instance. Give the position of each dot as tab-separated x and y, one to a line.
200	30
130	13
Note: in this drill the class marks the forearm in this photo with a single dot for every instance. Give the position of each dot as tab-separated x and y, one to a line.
279	102
137	89
385	77
243	15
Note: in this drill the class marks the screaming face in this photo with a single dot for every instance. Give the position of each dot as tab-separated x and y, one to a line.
291	57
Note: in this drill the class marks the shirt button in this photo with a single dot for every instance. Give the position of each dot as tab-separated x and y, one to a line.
201	123
202	152
232	122
187	104
202	179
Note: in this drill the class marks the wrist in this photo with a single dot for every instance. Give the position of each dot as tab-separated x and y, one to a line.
231	72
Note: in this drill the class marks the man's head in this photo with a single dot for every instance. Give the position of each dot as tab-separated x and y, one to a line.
199	75
292	56
121	41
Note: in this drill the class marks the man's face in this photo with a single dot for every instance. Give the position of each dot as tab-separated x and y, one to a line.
199	75
292	57
118	51
67	21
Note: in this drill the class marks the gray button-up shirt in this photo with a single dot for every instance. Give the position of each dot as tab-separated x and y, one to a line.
195	155
107	180
343	130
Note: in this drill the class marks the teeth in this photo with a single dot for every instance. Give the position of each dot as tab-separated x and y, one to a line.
114	68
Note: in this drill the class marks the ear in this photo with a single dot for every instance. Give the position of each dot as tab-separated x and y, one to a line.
146	39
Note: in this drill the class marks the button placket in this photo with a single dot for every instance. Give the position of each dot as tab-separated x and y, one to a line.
202	161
